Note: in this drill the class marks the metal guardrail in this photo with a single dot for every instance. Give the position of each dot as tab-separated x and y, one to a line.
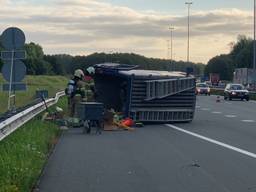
8	114
11	124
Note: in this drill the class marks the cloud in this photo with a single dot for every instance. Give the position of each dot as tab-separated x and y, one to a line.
85	26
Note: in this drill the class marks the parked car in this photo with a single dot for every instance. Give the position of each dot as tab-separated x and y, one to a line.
236	91
203	88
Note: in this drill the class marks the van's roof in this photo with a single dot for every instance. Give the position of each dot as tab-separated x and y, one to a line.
152	73
129	70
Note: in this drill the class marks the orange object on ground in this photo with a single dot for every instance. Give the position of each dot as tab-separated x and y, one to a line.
127	122
123	127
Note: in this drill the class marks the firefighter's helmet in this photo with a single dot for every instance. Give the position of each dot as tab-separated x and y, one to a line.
79	73
90	70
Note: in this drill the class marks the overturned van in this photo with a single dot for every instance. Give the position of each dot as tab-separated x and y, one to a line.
144	95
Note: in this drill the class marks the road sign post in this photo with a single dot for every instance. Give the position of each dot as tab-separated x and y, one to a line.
13	40
10	85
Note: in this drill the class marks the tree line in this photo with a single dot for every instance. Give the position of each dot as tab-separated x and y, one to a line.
38	63
240	56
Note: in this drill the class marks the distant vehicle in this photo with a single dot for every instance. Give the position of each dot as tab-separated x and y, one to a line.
214	79
208	83
236	91
222	84
203	88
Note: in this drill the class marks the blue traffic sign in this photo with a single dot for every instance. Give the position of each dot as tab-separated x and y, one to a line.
18	71
13	38
15	87
9	55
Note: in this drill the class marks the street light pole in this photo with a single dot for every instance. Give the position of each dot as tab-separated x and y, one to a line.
189	5
254	36
171	28
168	49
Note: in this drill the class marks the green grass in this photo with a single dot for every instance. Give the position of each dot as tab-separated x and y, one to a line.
51	83
24	153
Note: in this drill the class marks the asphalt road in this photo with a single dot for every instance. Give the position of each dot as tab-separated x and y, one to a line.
214	153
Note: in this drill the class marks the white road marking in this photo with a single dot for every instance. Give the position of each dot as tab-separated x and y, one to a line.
198	106
230	116
242	151
217	112
205	109
248	121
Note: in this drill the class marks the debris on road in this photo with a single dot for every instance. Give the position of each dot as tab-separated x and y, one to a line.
114	122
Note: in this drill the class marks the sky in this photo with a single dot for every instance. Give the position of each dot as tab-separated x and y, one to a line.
82	27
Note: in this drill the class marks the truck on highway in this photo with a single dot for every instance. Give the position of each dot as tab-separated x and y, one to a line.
246	77
214	79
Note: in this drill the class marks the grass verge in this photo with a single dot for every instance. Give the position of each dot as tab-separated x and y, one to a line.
24	153
51	83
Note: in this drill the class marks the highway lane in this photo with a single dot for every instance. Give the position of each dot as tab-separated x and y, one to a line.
243	109
160	158
228	125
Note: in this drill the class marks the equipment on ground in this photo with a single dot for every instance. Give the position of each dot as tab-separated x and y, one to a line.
91	113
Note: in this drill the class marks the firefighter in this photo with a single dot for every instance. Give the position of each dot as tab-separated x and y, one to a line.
89	74
75	91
